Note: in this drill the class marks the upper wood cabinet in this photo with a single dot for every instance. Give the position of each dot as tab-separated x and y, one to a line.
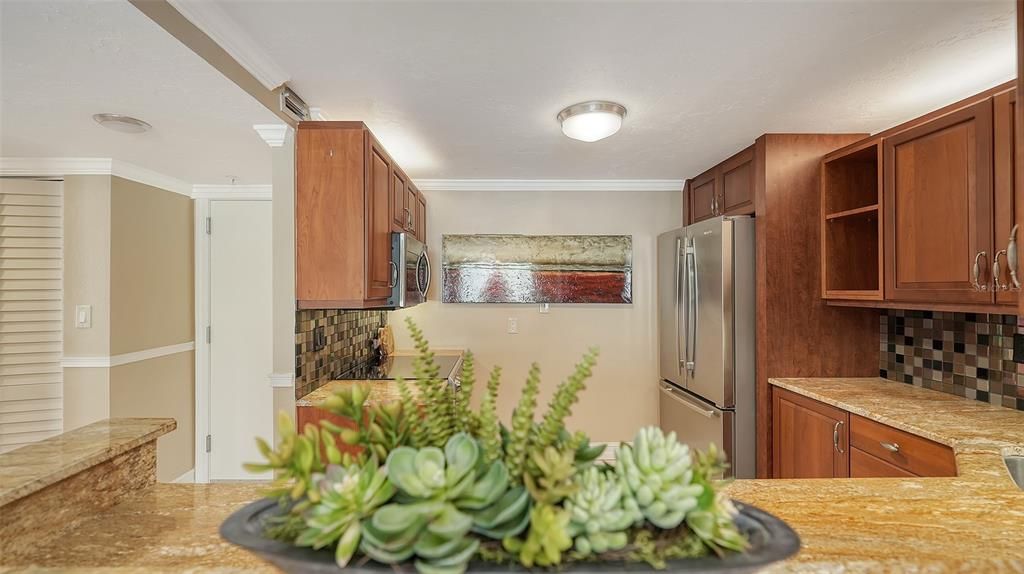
726	189
946	211
349	196
809	439
938	190
421	217
737	196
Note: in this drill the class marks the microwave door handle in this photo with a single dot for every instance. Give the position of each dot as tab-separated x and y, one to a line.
426	264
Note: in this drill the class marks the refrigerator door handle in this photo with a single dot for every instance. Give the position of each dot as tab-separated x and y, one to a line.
679	295
692	304
706	413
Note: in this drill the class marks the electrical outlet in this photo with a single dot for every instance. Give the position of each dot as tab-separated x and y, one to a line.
319	338
545	308
513	325
1018	348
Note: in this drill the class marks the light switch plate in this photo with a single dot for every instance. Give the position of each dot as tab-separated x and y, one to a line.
83	316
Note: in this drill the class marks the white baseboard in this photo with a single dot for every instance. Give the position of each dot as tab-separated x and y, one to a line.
187	478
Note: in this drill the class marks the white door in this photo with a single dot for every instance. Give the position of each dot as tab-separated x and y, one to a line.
241	399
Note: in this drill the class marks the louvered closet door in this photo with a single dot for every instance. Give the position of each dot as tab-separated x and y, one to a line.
31	382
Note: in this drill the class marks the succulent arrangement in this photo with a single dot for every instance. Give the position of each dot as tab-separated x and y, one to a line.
432	482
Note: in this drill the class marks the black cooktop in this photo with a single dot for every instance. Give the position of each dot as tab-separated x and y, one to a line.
398	367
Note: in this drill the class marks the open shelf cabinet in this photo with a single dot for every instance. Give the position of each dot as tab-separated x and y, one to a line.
851	222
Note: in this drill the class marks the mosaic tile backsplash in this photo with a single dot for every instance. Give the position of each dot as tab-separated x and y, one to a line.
348	343
965	354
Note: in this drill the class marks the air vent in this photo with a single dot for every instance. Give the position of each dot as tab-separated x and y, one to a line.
293	105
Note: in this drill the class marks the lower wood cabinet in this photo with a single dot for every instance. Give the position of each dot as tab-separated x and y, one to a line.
814	440
810	438
313	415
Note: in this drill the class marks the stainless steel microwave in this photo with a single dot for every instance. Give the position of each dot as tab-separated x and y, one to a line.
410	271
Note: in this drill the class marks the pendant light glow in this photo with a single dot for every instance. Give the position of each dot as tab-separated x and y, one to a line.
591	121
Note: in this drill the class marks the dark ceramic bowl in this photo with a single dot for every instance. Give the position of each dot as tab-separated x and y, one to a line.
771	540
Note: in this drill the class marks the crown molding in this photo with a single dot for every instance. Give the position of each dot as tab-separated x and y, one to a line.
222	29
273	134
62	166
549	184
232	192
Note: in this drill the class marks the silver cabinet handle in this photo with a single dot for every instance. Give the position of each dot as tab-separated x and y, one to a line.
393	279
1011	259
835	438
996	282
976	272
890	446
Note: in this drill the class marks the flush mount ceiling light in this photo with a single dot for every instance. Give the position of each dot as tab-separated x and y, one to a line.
591	121
120	123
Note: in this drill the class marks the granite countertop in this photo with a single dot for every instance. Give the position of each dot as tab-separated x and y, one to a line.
967	523
381	391
27	470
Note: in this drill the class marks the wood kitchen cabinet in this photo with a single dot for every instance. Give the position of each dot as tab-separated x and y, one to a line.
1004	110
809	438
938	200
726	189
349	196
421	217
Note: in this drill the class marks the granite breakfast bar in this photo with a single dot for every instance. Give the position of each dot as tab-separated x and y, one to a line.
968	523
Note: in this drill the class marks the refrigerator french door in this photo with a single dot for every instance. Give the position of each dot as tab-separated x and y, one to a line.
706	317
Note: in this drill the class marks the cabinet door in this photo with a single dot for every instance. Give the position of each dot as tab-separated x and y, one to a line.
421	217
1004	111
737	196
703	195
399	218
938	199
864	465
809	438
410	209
378	221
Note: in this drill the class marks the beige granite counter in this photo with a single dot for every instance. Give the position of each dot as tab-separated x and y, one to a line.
968	523
381	392
24	471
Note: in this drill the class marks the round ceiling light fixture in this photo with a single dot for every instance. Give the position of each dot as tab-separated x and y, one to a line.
591	121
122	123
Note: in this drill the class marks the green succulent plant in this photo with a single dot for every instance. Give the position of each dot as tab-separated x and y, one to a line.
550	475
377	429
296	461
546	540
713	521
489	427
658	471
348	495
443	496
599	514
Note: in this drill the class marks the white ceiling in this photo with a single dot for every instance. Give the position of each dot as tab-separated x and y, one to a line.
62	61
471	90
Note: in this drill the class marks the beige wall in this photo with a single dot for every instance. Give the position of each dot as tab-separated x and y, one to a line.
160	387
622	395
86	282
151	285
283	225
129	254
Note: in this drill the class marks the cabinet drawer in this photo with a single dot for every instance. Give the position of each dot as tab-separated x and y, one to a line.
864	465
909	452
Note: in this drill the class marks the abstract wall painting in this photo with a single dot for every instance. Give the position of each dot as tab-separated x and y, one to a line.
537	268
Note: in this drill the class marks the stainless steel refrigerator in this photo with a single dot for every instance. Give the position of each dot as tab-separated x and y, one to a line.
706	320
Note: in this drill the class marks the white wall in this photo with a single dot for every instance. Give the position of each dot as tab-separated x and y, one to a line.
622	395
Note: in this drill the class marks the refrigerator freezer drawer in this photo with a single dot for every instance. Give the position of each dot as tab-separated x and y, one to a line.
695	422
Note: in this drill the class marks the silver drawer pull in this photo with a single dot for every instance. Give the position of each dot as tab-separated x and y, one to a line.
890	446
836	443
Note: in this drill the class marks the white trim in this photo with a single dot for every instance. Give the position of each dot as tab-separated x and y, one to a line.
226	33
186	478
273	134
125	358
202	319
232	192
62	166
674	185
282	380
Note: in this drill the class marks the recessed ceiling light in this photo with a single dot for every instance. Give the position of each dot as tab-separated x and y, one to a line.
591	121
120	123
